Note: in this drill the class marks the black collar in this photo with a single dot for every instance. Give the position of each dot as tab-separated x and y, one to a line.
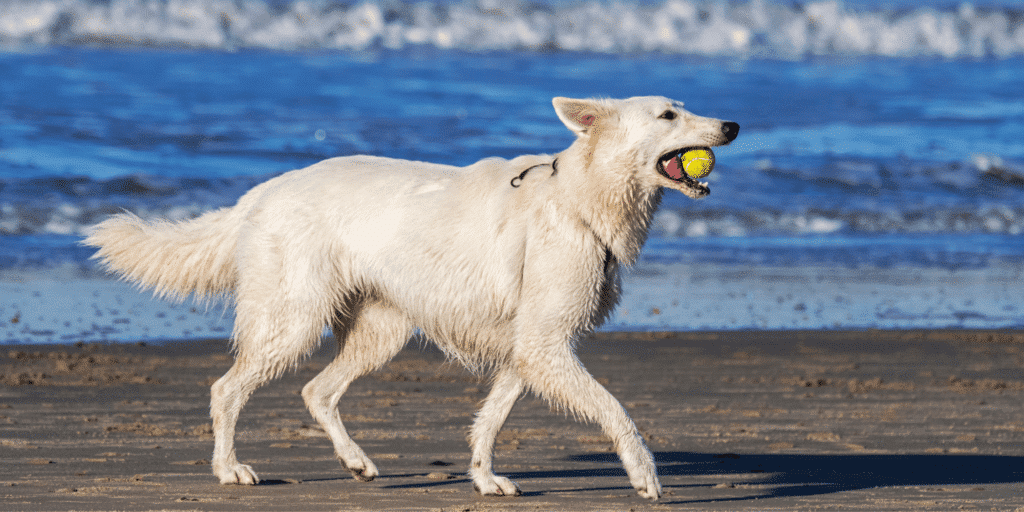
518	180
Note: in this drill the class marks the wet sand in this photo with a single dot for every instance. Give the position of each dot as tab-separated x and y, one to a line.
909	420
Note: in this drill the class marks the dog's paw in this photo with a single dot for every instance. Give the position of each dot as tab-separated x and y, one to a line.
361	467
495	485
650	489
643	474
645	480
239	474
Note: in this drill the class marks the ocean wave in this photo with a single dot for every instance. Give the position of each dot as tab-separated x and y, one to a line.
70	217
1001	220
69	205
756	28
857	197
977	198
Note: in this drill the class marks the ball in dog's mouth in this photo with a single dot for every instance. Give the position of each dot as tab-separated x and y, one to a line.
684	165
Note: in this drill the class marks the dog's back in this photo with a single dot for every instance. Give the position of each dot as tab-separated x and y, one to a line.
444	244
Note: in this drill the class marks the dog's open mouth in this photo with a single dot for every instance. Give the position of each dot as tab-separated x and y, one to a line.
670	165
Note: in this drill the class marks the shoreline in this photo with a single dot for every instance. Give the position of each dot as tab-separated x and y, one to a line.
782	420
63	308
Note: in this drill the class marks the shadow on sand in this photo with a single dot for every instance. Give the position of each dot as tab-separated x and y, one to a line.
783	475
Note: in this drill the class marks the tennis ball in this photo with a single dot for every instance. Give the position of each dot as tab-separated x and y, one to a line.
697	162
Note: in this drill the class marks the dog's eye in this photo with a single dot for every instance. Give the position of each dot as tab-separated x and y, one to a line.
668	115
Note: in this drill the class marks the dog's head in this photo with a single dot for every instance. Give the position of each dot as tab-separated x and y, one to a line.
643	134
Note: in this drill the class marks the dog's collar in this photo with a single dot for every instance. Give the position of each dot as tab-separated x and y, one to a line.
518	180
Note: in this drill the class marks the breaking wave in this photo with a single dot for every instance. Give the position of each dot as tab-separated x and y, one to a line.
750	29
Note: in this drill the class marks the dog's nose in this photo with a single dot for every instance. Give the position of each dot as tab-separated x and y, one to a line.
730	130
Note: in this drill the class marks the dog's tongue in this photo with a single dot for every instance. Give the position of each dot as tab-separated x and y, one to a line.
672	169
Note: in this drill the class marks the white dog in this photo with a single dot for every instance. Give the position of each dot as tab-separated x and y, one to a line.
503	264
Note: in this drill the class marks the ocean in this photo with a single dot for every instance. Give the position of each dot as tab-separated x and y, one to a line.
877	181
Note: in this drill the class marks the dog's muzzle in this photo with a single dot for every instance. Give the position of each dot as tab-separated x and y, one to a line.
685	184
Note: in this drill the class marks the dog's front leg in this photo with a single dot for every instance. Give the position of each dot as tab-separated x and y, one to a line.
550	368
565	285
504	393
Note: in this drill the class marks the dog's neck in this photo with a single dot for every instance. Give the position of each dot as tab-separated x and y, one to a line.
620	210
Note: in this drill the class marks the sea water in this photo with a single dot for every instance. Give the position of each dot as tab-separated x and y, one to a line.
877	181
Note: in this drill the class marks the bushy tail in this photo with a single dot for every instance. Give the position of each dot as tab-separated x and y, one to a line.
174	259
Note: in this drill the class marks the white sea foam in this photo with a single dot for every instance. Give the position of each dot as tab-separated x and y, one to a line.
755	28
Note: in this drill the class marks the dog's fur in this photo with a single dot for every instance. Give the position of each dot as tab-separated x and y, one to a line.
503	264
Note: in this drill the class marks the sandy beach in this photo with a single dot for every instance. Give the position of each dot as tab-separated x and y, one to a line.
804	420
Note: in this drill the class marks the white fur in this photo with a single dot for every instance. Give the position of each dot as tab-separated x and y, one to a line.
503	278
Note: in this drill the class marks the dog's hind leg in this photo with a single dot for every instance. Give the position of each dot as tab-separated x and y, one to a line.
366	342
505	391
251	370
227	397
259	359
279	319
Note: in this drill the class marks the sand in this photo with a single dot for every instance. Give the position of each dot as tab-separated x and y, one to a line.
875	420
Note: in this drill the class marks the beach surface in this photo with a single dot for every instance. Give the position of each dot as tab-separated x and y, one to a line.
799	420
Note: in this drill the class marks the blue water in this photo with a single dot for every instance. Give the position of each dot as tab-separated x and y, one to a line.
875	134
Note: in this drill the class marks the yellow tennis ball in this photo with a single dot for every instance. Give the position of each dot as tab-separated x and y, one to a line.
698	162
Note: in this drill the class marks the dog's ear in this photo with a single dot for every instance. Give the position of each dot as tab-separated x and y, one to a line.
580	116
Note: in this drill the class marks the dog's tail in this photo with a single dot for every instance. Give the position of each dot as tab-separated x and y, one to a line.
174	259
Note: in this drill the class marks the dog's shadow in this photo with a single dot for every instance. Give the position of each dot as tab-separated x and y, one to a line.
785	475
